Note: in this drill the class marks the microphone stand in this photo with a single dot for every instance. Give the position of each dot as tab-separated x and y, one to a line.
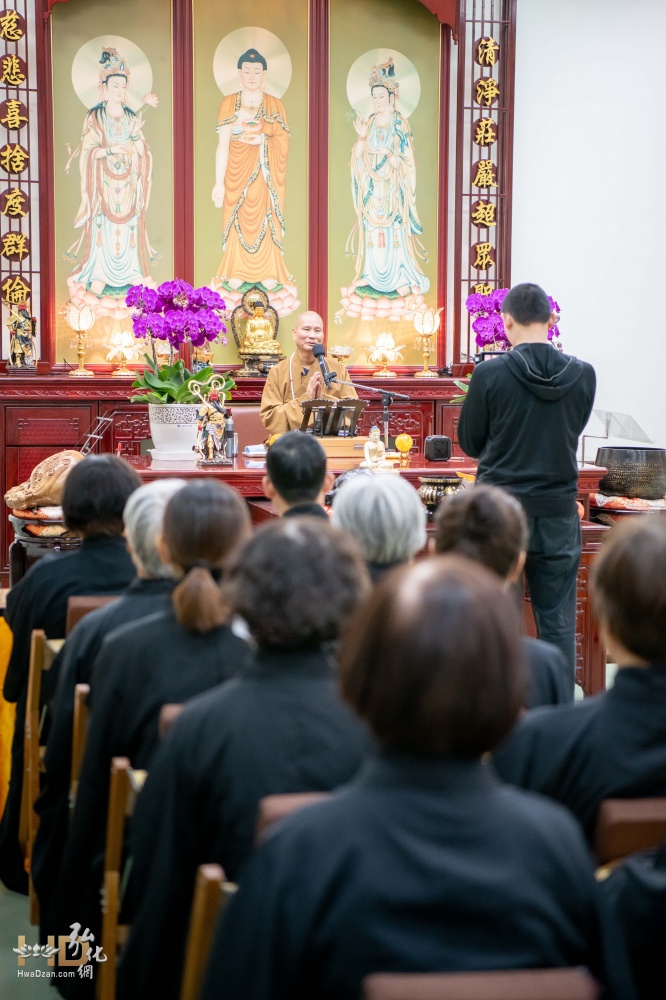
387	398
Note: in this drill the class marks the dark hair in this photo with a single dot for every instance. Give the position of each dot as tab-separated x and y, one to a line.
296	466
485	524
391	93
95	494
203	524
252	56
527	304
297	581
629	585
433	662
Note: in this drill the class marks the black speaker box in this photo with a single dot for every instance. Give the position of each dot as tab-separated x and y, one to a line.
437	448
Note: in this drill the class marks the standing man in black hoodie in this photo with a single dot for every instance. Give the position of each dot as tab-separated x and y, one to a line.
522	419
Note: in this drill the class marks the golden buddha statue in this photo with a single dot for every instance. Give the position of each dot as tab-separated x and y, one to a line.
260	334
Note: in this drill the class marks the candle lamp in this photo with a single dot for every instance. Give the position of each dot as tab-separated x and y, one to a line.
80	319
384	353
426	325
123	350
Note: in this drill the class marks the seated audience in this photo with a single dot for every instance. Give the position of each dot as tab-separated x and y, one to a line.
425	861
614	744
385	515
148	593
488	525
167	657
280	727
635	895
296	479
93	499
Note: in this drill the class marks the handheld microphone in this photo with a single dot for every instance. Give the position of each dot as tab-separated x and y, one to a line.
328	376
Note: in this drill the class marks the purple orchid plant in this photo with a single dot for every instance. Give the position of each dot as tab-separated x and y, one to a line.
488	325
177	312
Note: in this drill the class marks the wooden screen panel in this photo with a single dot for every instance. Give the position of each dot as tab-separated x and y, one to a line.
32	425
417	420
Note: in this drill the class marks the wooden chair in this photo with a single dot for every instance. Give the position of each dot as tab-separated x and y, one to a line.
123	790
521	984
43	651
273	808
211	894
168	715
79	607
627	826
79	737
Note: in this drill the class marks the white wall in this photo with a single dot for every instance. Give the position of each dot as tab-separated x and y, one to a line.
588	196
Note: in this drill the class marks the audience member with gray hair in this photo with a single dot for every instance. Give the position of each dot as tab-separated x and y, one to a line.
142	517
148	593
385	515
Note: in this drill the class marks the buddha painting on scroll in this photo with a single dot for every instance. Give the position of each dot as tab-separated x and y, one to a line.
115	170
250	188
385	239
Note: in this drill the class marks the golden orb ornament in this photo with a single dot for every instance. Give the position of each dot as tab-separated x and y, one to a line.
404	444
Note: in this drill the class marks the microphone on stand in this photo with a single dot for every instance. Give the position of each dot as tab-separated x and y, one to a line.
328	376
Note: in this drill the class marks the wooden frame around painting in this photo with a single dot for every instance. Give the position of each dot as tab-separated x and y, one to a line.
113	161
311	44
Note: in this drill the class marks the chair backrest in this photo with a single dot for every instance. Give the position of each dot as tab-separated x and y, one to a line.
80	606
211	893
79	737
520	984
627	826
124	787
273	808
42	653
168	715
248	426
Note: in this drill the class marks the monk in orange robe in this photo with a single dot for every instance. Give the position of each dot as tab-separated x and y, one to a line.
250	172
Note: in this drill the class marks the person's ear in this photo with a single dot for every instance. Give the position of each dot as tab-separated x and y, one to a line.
552	321
516	571
268	488
163	550
329	479
508	321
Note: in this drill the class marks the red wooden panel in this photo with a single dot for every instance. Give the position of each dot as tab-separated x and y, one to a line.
447	418
416	420
34	425
19	463
130	427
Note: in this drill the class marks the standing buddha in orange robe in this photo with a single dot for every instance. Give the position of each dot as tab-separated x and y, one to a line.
250	172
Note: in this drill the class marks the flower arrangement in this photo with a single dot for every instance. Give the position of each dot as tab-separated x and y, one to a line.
177	313
488	324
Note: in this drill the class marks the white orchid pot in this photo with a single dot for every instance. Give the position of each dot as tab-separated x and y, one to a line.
173	427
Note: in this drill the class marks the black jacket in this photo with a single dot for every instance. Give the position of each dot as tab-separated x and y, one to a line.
610	746
74	665
141	666
550	680
419	865
522	418
100	566
281	727
306	509
635	896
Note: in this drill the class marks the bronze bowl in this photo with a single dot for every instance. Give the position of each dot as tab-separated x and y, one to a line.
433	489
633	472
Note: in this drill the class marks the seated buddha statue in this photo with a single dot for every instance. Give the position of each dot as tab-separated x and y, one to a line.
375	454
259	334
